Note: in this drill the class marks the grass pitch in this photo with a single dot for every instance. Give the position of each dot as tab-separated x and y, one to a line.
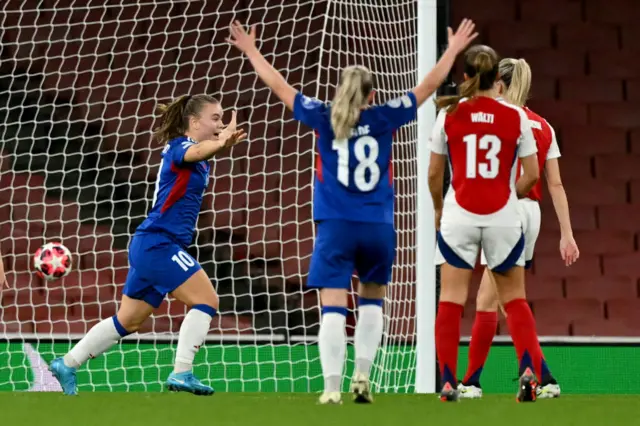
231	409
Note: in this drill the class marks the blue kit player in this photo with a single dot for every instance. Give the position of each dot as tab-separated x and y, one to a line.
193	132
353	200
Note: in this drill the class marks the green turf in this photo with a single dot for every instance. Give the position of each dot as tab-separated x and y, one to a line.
230	409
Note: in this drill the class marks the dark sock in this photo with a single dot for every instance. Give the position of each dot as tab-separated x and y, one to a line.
547	377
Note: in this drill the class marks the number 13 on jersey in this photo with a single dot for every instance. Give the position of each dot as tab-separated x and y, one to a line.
366	151
487	169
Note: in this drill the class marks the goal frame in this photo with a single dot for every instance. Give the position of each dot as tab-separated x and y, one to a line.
425	279
425	227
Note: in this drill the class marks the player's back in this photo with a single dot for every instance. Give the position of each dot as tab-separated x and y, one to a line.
482	137
354	176
177	198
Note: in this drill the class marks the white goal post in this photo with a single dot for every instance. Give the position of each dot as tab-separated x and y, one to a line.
425	230
80	81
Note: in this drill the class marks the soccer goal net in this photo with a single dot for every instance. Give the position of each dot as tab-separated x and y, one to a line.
80	80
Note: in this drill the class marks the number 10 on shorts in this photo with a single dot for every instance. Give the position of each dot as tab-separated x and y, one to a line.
184	260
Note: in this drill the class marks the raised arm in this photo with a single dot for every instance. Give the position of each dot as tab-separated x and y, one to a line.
246	42
457	43
205	150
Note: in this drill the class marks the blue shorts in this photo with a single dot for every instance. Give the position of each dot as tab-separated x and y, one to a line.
157	266
342	246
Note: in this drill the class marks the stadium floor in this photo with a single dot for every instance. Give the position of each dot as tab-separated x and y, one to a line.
159	409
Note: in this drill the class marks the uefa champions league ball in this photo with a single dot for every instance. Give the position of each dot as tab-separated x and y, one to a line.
52	261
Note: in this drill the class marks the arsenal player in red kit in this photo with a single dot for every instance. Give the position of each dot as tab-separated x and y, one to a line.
514	86
482	137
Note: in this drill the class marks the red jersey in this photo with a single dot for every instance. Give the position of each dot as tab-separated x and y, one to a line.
483	139
547	146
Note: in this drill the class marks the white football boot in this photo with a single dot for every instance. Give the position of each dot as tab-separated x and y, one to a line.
361	389
330	398
469	392
548	391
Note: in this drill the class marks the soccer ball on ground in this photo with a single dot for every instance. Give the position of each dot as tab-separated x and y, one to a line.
52	261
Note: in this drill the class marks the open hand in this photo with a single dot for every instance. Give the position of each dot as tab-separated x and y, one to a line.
230	128
239	37
235	138
231	135
463	35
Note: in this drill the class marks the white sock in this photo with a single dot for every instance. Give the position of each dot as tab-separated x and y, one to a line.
100	338
193	331
332	344
367	336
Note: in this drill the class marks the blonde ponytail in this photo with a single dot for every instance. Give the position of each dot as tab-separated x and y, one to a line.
354	89
516	76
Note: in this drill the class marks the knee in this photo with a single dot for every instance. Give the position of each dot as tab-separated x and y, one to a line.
487	300
133	328
510	285
211	300
372	291
207	309
454	293
127	325
207	298
214	301
510	294
333	297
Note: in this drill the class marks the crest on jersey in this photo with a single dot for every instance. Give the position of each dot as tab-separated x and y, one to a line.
310	103
402	101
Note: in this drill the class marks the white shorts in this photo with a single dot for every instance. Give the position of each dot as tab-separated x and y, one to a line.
459	246
531	220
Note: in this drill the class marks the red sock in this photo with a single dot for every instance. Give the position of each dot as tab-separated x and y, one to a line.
447	340
484	328
522	327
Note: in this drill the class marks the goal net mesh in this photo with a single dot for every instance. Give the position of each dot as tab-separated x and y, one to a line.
80	81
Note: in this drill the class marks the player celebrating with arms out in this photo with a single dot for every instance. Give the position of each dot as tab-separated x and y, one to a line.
482	137
193	132
514	85
353	197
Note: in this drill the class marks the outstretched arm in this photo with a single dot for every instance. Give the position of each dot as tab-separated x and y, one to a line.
457	43
206	150
246	42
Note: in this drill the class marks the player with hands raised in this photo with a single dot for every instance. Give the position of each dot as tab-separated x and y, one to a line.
354	196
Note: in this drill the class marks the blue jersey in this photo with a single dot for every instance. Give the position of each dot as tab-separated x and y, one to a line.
354	177
178	195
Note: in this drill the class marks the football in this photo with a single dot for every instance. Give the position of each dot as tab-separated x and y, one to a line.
52	261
